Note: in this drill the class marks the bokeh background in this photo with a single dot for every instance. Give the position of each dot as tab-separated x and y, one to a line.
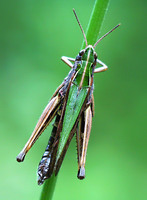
34	34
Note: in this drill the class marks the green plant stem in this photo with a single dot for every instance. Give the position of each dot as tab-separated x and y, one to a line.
95	22
92	33
48	188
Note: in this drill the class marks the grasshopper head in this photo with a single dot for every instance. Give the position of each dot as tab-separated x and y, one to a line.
89	54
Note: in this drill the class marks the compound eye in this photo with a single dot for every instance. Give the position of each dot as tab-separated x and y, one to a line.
95	55
81	53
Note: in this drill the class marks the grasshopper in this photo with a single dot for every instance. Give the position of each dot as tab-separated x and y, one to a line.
73	106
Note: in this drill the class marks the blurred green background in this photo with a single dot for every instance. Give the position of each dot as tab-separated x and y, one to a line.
33	36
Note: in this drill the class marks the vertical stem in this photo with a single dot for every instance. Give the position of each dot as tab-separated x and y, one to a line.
95	22
48	188
92	33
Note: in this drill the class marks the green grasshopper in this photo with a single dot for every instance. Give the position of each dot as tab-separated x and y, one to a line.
73	105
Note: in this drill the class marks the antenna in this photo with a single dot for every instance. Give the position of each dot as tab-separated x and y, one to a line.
80	26
105	35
